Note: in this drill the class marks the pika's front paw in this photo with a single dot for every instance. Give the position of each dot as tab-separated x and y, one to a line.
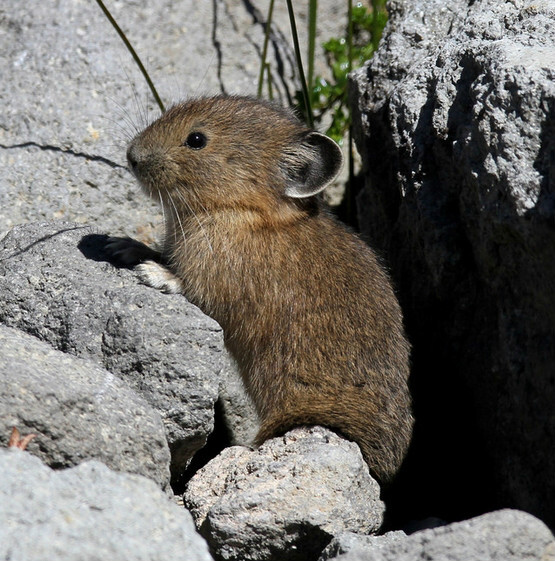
129	252
156	275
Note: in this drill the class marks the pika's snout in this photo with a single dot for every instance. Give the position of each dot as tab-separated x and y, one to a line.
132	158
144	162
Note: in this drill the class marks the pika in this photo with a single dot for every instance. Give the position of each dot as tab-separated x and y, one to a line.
307	310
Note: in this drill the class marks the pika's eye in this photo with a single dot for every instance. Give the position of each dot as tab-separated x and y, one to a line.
196	141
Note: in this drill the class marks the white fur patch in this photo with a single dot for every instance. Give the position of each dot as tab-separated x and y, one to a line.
156	275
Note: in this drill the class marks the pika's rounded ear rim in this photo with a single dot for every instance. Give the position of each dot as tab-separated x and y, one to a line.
310	165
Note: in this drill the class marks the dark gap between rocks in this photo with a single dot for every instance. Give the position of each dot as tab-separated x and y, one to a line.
219	439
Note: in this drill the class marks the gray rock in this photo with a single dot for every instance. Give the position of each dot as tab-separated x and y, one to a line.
359	545
55	285
507	534
62	145
78	410
239	412
89	513
285	500
454	120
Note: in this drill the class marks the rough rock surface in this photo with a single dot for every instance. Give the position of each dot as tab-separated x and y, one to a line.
285	500
56	285
89	513
359	545
509	535
241	419
78	410
455	123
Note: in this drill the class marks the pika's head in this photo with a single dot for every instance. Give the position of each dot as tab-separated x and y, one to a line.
231	152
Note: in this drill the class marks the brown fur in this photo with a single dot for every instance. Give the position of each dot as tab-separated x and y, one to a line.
307	310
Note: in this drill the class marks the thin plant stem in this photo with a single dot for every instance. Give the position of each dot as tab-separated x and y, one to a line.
133	54
263	65
309	117
350	160
312	14
377	28
350	34
270	83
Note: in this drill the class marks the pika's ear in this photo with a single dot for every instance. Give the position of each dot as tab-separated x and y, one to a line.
309	165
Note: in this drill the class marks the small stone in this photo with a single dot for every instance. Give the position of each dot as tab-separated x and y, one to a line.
285	500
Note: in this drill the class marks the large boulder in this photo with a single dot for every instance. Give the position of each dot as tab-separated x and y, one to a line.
78	410
509	535
89	513
455	121
57	285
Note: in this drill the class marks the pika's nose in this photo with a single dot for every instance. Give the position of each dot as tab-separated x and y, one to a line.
132	157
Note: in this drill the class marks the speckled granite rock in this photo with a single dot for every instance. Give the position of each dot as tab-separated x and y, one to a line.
285	500
78	410
56	285
89	513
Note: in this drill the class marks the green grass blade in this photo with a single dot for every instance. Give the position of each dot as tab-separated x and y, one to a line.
312	15
350	34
